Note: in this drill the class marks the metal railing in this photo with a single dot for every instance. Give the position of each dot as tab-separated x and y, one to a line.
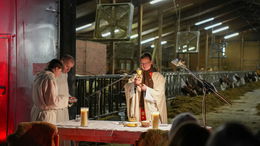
173	79
104	94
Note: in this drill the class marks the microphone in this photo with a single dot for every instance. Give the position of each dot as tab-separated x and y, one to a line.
178	62
175	61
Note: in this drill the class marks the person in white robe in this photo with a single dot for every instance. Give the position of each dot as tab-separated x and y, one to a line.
63	89
45	93
146	94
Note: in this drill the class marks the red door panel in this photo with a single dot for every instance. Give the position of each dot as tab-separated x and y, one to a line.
3	87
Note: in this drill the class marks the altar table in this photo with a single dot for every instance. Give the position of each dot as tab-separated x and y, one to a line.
103	131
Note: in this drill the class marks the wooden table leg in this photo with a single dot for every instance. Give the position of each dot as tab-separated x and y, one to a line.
75	143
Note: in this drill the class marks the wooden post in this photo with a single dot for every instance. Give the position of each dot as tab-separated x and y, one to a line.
188	53
113	45
68	37
140	28
206	51
159	46
242	51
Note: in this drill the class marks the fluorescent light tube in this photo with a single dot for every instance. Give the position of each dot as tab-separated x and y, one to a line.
231	35
162	43
220	29
106	34
83	27
155	1
133	36
109	33
191	48
212	26
204	21
148	40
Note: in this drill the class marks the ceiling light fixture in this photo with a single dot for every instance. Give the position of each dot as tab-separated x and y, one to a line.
162	43
155	1
148	40
83	27
109	33
220	29
106	34
133	36
231	35
191	48
204	21
212	26
116	30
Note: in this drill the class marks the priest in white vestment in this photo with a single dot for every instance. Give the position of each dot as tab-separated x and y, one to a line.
146	94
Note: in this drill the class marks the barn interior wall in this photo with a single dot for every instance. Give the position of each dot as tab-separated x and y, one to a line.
243	56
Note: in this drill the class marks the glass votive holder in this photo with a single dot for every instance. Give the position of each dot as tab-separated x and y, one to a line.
77	118
155	119
84	116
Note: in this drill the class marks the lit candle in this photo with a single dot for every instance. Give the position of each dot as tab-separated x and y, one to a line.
155	119
84	116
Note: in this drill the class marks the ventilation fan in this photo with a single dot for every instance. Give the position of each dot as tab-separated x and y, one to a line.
114	21
187	42
218	50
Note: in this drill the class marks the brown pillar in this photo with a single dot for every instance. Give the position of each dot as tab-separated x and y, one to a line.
206	51
159	46
140	28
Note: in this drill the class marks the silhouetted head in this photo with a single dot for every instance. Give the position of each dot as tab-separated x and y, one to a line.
180	119
233	134
190	134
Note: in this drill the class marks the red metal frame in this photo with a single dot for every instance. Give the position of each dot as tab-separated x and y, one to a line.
4	84
106	136
5	119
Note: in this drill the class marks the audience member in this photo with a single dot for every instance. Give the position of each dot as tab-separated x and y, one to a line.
233	134
153	137
190	134
180	119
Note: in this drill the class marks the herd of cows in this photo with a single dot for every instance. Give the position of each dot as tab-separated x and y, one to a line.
192	87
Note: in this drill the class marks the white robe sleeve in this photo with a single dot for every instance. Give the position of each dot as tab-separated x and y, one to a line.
51	94
63	89
148	95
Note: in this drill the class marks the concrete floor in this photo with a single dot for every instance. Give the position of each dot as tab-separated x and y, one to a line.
242	110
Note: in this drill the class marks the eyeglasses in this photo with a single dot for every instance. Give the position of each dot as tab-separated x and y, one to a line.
145	63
